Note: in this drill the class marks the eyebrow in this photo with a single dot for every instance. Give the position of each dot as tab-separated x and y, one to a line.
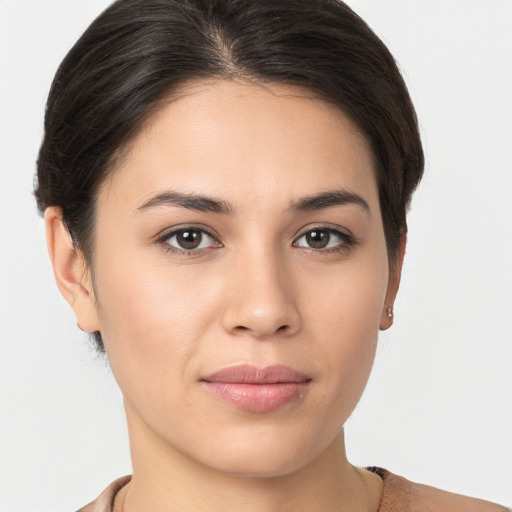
202	203
328	199
189	201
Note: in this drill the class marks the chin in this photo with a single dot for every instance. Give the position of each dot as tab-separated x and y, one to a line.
261	465
266	454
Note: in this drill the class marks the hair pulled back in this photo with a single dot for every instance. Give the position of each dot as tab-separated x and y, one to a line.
138	52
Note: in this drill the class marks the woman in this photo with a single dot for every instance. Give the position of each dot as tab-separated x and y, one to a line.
224	191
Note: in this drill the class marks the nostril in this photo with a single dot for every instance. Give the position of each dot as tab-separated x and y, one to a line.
243	328
261	320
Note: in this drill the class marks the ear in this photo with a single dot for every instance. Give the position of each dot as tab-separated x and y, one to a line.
71	271
395	273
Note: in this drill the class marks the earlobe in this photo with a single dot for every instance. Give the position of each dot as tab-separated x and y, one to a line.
395	274
386	320
70	270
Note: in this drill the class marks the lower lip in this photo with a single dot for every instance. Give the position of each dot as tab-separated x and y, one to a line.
257	397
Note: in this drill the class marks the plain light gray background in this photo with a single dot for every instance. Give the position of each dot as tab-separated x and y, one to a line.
438	407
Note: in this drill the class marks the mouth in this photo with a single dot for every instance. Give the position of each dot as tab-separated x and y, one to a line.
257	389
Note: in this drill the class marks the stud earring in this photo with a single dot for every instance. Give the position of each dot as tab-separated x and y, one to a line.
389	311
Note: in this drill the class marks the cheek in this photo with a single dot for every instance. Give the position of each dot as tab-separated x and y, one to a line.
152	321
346	313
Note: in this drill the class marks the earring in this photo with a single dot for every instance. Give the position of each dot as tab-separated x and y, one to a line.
389	311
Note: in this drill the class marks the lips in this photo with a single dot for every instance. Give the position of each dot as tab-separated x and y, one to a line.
257	389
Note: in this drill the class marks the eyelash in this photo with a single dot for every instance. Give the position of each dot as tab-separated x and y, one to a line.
347	240
166	237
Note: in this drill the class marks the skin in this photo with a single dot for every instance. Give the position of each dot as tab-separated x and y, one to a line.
254	293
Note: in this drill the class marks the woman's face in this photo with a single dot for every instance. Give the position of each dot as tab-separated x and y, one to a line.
241	275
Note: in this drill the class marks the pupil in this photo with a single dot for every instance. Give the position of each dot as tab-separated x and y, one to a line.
318	239
189	239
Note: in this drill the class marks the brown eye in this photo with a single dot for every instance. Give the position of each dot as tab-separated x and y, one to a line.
189	239
324	238
318	239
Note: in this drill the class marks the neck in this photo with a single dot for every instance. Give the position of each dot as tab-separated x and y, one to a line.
165	480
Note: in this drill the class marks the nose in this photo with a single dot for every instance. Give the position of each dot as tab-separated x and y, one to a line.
261	299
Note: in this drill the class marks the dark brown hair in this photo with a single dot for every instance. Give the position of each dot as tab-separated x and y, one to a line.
138	52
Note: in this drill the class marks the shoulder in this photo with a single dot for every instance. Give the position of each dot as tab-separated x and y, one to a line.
402	495
105	501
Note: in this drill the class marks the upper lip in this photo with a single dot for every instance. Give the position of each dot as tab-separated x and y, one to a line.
248	374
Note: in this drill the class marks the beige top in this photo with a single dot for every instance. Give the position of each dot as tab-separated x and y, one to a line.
400	495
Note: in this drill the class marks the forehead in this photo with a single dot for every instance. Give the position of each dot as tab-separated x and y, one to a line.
240	141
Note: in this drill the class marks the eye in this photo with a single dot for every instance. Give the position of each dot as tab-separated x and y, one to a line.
188	240
324	238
